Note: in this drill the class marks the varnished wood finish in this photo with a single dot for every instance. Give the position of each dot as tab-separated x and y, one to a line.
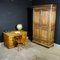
9	38
44	24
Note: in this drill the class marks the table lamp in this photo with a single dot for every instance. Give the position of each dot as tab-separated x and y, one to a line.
19	26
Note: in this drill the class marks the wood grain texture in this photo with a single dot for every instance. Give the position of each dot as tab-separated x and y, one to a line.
9	38
44	24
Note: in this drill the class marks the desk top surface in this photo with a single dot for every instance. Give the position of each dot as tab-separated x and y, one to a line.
13	33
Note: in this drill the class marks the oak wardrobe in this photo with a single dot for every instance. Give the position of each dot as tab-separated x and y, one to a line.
44	17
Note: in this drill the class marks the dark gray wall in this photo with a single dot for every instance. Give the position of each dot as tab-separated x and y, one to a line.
13	12
34	2
57	28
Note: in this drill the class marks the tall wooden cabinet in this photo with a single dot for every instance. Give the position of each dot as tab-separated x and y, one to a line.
44	17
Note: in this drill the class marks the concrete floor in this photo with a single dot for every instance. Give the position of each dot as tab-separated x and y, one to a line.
31	52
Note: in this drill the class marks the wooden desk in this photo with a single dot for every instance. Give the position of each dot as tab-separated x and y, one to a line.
9	38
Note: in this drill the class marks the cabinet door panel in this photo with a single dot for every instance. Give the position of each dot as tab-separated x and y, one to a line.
44	24
44	35
36	25
44	18
36	17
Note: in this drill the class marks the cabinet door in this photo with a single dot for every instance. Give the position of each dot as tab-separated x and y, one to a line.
44	26
36	25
